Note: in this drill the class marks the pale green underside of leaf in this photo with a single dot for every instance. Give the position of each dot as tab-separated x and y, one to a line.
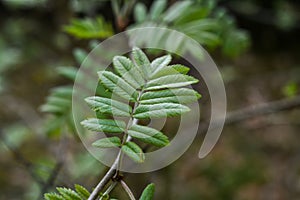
170	70
142	61
148	192
117	85
109	106
178	95
108	142
128	71
148	135
134	152
160	63
170	81
104	125
160	110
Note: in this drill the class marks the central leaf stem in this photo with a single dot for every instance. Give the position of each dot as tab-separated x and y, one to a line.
114	169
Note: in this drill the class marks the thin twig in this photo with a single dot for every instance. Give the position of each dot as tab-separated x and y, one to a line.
262	109
127	189
109	189
115	166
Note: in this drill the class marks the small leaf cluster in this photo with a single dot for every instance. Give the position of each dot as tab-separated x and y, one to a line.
80	193
59	102
157	90
202	20
89	28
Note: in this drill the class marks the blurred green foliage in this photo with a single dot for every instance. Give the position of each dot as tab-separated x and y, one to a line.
96	28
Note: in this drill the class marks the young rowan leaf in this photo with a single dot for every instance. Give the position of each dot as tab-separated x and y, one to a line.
68	72
142	61
108	142
117	85
128	71
148	192
160	63
178	95
170	70
170	81
83	192
68	194
159	110
53	196
104	125
148	135
133	151
140	12
109	106
176	10
157	8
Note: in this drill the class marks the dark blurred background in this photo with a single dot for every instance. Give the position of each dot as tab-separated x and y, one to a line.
256	48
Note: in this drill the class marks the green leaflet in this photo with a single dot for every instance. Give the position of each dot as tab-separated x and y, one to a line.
169	70
148	135
160	110
104	125
84	193
160	63
68	72
79	55
170	81
128	71
68	194
157	9
176	10
140	12
53	196
109	106
62	91
178	95
59	101
133	151
142	61
117	85
148	192
108	142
